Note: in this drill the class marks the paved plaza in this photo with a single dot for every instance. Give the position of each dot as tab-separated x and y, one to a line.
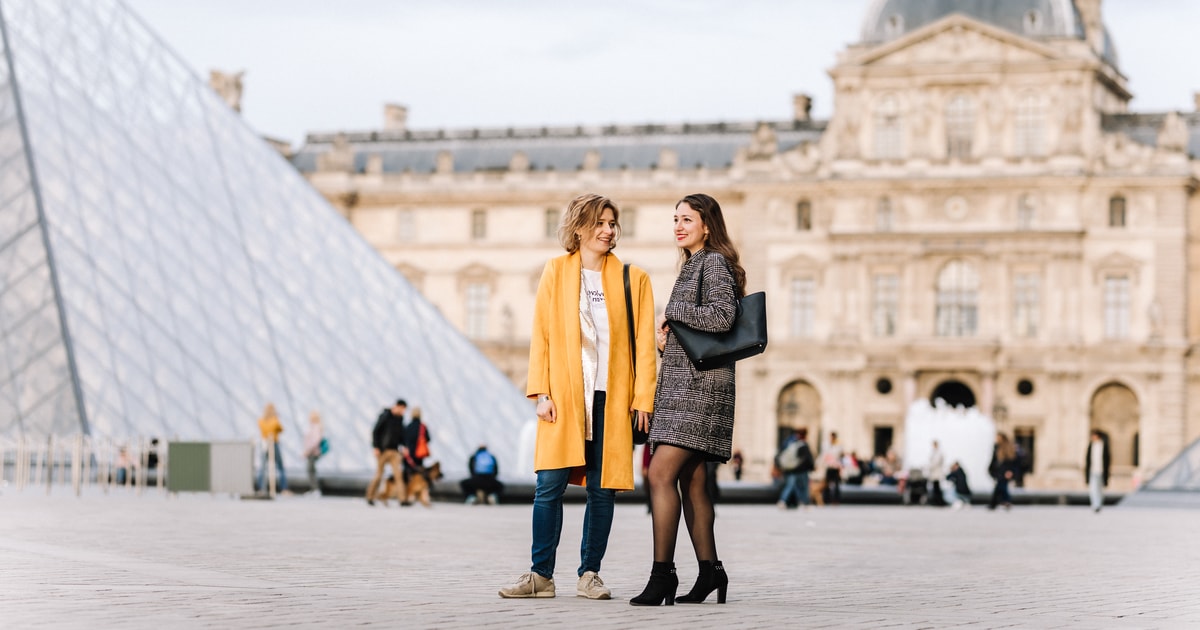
201	561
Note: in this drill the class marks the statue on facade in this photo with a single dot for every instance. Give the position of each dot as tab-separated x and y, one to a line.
1173	135
339	157
763	144
228	87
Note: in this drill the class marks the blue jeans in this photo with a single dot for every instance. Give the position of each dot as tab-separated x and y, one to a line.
795	483
281	479
597	516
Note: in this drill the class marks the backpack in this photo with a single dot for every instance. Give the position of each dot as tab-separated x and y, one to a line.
485	463
789	457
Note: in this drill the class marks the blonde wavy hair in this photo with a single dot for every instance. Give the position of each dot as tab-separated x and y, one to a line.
582	214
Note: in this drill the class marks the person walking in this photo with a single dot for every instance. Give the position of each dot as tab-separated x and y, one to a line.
387	444
935	472
312	450
582	375
831	460
1002	468
416	444
1095	469
795	461
694	410
270	428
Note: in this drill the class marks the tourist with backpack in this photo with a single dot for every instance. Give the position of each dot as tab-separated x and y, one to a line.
795	461
483	484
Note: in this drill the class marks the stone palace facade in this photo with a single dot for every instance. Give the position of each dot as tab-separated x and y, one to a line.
981	220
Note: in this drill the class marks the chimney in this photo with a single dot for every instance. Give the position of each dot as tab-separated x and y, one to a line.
395	117
1093	23
801	107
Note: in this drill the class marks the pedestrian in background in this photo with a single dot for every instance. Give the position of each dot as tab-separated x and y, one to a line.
831	460
1095	469
270	428
795	461
694	410
935	472
416	441
387	442
483	486
581	373
312	450
962	491
1002	468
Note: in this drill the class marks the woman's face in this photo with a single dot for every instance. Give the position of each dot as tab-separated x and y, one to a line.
599	238
690	232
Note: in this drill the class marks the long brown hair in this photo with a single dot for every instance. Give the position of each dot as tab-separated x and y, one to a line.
1005	449
718	237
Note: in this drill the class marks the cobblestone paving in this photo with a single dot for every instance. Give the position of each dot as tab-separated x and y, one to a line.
201	561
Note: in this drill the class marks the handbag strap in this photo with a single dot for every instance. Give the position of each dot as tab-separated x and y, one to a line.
629	318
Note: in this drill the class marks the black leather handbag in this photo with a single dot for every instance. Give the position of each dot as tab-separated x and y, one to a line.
747	337
639	436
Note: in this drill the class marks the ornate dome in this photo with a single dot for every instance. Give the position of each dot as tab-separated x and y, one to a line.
1048	19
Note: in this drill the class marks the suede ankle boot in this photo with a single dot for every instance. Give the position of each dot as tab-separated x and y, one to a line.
660	590
712	578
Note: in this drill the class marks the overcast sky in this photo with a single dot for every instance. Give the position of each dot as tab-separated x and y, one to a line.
315	65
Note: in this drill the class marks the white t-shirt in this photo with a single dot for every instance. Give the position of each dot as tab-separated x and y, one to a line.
595	291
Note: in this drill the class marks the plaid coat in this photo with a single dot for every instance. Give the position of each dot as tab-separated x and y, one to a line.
693	408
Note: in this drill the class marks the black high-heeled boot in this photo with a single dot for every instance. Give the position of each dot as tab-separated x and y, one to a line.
712	578
660	590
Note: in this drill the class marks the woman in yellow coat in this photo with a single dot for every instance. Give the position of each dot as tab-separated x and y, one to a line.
581	373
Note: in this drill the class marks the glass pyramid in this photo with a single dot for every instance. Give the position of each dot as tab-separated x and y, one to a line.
1175	485
164	272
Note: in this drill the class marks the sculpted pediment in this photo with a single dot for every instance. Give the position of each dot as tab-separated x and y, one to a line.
958	38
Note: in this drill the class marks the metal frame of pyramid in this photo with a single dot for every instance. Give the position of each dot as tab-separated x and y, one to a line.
164	272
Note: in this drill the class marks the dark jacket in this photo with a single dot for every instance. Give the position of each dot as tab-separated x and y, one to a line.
389	431
959	479
1000	466
1087	462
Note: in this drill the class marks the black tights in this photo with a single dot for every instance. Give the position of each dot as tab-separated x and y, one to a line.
675	471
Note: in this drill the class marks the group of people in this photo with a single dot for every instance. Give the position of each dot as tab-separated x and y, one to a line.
398	445
592	374
315	445
809	478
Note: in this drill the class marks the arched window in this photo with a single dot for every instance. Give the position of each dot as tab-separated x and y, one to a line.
957	300
1116	211
1030	127
887	129
960	127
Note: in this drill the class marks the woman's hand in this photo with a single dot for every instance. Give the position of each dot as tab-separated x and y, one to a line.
660	334
643	420
546	411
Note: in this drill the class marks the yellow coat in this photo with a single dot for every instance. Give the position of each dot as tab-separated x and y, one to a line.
555	368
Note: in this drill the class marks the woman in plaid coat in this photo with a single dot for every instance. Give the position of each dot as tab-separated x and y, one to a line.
693	409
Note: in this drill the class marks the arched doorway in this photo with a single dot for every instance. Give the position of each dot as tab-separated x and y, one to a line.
799	406
955	393
1115	413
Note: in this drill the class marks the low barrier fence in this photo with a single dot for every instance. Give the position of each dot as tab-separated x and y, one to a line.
72	463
